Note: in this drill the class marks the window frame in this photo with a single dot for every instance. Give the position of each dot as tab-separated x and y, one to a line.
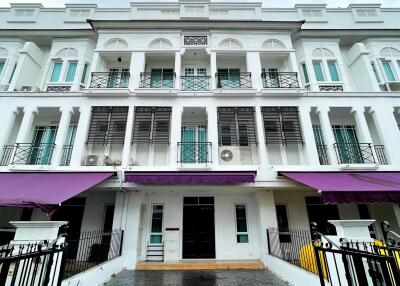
238	233
69	62
4	62
53	64
305	73
335	63
151	233
321	65
392	69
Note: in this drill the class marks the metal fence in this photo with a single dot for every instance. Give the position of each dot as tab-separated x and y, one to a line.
66	155
195	83
194	152
236	80
323	154
380	154
7	154
280	80
33	154
354	153
110	79
157	80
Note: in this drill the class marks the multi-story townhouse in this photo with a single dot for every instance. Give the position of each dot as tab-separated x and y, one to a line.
197	126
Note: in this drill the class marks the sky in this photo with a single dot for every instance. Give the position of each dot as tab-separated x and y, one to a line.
267	3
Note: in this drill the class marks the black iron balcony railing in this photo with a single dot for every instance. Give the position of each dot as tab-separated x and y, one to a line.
157	80
33	154
6	156
195	83
110	79
380	154
66	155
239	80
280	80
354	153
194	152
58	88
322	154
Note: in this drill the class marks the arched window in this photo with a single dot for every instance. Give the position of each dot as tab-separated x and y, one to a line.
160	44
322	52
325	65
273	44
116	44
68	57
390	52
391	58
67	53
230	44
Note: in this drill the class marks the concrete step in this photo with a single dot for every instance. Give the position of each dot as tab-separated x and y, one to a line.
201	265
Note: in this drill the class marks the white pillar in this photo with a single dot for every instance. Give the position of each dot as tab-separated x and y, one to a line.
81	133
26	124
327	132
138	63
62	130
176	123
308	135
262	149
213	69
212	127
8	117
126	152
254	67
177	69
294	67
387	129
120	210
76	84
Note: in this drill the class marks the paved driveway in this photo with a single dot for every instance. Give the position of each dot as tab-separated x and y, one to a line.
196	278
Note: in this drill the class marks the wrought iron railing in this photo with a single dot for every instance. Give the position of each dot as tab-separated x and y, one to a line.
332	87
194	153
7	154
110	79
354	153
58	88
239	80
157	80
88	249
195	83
380	154
33	154
323	154
280	80
66	155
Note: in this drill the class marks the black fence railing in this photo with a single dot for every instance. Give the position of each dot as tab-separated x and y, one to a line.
280	80
31	264
323	154
157	80
194	153
195	83
66	155
380	154
7	154
33	154
239	80
354	153
88	249
109	79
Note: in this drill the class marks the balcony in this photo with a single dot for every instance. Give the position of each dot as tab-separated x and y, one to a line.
233	80
358	153
32	154
7	153
331	87
322	154
66	155
194	153
280	80
110	79
157	79
195	83
58	88
380	154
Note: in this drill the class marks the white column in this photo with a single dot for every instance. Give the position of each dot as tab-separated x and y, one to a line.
138	63
8	117
119	218
254	66
126	152
26	124
177	69
212	127
62	130
387	129
176	123
81	133
364	136
294	67
327	132
213	69
262	149
79	71
308	135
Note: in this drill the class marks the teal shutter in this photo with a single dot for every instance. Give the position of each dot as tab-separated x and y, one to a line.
124	78
47	149
155	80
223	78
305	73
71	72
112	78
388	71
1	67
168	78
348	148
375	72
319	75
234	78
203	150
85	68
187	147
333	71
55	75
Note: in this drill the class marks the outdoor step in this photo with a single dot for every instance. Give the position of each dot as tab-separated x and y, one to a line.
201	265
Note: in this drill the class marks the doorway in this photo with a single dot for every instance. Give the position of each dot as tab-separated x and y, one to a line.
198	238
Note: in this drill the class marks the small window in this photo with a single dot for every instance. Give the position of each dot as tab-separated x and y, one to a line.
283	223
305	73
313	13
2	63
24	12
85	68
226	139
12	73
387	67
319	75
242	235
55	74
156	224
333	71
375	72
243	135
71	71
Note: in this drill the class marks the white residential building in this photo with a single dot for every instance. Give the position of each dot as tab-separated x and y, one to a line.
197	126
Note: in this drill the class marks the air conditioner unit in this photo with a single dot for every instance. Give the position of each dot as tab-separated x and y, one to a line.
394	85
91	160
26	88
230	155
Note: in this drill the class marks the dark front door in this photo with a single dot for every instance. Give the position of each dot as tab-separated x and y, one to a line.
198	227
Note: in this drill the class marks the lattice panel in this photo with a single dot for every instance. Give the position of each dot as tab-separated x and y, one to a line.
246	126
117	126
152	125
98	125
291	125
195	40
142	125
161	125
272	125
227	135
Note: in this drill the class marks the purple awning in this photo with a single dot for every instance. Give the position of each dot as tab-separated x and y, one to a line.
44	190
352	187
190	178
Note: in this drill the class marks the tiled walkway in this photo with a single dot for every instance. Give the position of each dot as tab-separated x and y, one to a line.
197	278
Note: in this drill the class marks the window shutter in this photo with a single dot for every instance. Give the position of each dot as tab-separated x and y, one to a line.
142	125
98	125
227	126
291	125
161	125
272	125
117	125
246	126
